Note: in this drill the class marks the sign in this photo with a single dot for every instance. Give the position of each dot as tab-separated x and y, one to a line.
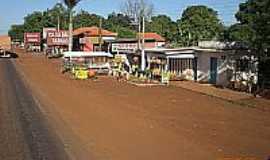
57	38
46	30
124	47
32	37
165	77
93	40
119	59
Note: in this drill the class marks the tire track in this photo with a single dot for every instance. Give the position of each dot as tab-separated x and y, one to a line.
37	140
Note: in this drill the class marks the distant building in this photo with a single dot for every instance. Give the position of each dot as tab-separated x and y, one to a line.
131	45
89	38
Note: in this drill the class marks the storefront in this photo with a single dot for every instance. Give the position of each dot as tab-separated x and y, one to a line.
90	39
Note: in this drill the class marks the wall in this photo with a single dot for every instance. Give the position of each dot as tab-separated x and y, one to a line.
203	64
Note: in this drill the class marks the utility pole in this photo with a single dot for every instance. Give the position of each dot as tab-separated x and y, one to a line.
100	34
143	63
139	35
58	22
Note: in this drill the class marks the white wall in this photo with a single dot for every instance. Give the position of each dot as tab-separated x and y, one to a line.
203	66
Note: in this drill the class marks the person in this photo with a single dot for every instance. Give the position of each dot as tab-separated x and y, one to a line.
45	47
119	72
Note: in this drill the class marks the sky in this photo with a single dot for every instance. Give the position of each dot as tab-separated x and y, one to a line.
13	11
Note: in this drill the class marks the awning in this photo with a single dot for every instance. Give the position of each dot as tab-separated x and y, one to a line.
86	54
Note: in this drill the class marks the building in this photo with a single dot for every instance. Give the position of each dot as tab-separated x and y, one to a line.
90	38
153	40
219	65
131	45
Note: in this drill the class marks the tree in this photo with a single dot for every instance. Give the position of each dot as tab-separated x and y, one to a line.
199	23
57	15
164	26
136	9
240	33
255	16
121	24
119	19
71	4
85	19
16	32
35	22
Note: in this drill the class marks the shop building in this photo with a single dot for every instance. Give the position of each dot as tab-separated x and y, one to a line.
131	45
90	38
219	66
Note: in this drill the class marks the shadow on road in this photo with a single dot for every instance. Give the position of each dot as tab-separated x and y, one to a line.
13	54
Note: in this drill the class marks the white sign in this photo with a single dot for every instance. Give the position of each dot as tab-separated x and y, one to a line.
46	30
124	47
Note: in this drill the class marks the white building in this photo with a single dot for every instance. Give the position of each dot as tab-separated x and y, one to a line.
215	65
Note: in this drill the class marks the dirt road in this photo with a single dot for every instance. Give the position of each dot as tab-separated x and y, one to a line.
118	121
24	132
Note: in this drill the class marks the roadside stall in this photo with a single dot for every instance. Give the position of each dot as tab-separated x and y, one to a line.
121	66
84	65
156	67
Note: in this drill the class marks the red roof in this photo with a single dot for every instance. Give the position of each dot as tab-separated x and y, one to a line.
154	36
93	31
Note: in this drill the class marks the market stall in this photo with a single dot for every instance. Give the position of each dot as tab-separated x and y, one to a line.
91	62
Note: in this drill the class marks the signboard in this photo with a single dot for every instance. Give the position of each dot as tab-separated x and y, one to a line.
5	43
57	38
93	40
32	37
124	47
165	77
46	30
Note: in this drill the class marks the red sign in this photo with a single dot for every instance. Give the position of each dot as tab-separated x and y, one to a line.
32	37
57	38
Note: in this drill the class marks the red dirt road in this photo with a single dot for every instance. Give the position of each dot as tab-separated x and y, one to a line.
118	121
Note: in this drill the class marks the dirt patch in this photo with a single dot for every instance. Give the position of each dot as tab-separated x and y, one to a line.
121	121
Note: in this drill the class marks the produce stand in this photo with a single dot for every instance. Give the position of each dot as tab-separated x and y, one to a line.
157	68
120	67
84	65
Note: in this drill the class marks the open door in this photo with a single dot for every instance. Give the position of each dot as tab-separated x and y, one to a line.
213	70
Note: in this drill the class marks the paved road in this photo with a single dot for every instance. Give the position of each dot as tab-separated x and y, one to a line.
24	133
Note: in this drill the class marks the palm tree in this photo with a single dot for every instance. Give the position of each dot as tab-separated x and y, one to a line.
71	4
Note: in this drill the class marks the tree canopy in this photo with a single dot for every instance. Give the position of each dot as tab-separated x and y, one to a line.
85	19
16	32
71	3
199	23
253	17
163	25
